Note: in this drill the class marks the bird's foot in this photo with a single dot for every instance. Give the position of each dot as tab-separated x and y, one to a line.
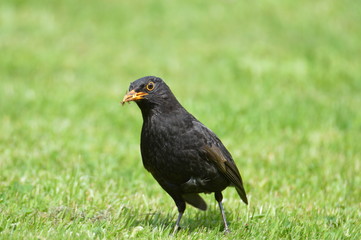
227	231
175	230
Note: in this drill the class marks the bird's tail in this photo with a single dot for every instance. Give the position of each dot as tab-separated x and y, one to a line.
195	200
242	193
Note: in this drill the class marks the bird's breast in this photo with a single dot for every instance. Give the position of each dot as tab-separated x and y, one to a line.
168	149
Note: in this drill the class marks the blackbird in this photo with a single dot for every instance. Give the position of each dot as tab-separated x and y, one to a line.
184	156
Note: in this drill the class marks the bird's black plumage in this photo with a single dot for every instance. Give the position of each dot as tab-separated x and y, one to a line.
183	155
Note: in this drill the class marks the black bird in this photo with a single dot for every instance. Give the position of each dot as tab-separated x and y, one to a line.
183	155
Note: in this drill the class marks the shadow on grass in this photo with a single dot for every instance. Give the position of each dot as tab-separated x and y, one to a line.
209	220
162	220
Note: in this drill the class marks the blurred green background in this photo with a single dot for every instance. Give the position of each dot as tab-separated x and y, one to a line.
278	81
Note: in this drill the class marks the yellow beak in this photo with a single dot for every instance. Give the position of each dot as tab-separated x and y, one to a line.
133	96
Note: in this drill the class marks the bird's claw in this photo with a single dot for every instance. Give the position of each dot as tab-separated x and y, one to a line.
175	230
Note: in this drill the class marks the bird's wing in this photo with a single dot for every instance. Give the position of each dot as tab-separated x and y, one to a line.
226	167
222	159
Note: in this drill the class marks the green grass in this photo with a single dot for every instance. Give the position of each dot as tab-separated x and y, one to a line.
278	81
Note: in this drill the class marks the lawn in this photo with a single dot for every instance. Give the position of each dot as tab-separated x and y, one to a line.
278	81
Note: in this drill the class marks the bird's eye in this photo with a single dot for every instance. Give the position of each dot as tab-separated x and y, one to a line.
150	86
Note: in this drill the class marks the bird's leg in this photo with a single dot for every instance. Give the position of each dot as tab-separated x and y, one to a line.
226	229
219	197
181	205
177	226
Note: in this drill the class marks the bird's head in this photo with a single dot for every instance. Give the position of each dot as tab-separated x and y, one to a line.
150	92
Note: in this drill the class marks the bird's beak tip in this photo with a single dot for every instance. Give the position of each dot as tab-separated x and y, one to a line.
133	96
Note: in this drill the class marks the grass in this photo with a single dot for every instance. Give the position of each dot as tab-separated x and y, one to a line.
278	81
